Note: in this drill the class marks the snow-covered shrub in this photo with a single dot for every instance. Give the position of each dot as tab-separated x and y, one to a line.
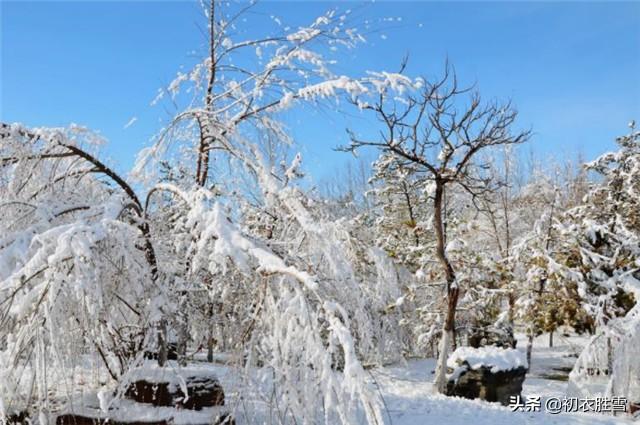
599	252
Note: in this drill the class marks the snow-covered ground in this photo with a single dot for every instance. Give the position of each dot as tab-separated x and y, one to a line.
410	400
409	397
408	394
550	367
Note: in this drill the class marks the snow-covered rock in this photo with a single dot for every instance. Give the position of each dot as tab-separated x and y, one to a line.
487	373
496	359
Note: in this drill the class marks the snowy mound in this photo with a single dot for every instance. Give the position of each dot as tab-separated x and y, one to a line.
496	358
150	371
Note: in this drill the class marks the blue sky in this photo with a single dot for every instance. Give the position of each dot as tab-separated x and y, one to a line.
571	68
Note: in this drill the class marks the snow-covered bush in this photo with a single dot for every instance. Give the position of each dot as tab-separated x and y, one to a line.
599	253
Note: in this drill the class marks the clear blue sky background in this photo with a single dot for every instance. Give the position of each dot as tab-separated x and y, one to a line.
572	68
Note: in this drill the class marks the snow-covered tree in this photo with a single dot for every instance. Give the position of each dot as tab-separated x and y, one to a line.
403	225
600	254
430	130
301	302
79	271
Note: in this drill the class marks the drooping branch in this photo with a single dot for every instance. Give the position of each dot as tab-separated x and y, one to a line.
98	167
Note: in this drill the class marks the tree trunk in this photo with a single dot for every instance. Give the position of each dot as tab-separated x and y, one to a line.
202	168
609	371
210	339
539	293
511	299
529	349
440	381
412	217
183	329
448	328
210	346
551	339
162	343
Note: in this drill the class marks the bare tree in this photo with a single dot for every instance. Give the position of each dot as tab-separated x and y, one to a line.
438	132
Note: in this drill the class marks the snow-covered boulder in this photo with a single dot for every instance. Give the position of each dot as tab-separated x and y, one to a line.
192	387
190	395
127	412
496	358
488	373
15	417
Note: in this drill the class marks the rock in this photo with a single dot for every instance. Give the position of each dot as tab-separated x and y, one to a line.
20	417
486	385
492	335
204	391
71	419
225	419
155	397
172	352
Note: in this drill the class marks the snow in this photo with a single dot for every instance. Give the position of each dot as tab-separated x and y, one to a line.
328	88
173	373
498	359
287	100
294	170
405	387
407	390
304	291
130	411
430	188
408	394
455	245
396	82
230	243
104	399
130	122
